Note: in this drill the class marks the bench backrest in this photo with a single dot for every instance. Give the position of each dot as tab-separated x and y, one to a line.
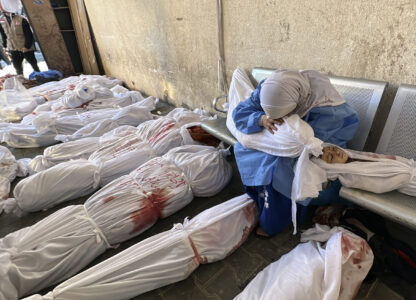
363	95
399	133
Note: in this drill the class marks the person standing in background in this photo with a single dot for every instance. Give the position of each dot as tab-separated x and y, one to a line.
18	40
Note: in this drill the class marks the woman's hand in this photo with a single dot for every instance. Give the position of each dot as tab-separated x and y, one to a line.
269	124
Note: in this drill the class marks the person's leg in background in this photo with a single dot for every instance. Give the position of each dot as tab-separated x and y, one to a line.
17	60
30	57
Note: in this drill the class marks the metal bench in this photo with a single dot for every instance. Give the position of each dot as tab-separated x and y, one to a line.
398	138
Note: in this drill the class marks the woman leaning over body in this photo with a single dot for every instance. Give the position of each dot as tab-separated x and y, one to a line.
266	178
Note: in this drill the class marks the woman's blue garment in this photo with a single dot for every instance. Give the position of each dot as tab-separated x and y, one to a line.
332	124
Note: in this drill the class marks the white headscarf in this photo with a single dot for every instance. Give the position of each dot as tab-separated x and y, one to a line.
297	92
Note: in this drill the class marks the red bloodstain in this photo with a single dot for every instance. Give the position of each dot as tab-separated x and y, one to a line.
359	266
145	217
151	207
246	232
199	259
108	199
162	133
356	260
250	212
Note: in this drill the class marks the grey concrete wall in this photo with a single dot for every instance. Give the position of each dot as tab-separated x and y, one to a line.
169	48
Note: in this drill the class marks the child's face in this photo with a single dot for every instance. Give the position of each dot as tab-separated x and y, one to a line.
334	155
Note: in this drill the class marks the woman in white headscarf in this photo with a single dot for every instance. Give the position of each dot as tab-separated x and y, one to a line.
268	179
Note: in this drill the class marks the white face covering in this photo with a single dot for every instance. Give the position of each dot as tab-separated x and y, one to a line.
287	92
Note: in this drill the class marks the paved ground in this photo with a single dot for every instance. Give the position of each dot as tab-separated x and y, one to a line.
224	279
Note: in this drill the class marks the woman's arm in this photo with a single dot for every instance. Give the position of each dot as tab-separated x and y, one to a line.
247	115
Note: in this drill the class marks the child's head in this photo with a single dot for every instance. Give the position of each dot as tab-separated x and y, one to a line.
334	155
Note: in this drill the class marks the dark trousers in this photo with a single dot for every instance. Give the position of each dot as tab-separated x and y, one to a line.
17	60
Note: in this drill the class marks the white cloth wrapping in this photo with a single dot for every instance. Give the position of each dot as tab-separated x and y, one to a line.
132	115
77	97
65	181
132	203
373	172
53	155
47	252
165	258
184	116
77	149
315	270
294	138
17	101
73	179
121	157
47	125
26	136
8	171
121	210
206	168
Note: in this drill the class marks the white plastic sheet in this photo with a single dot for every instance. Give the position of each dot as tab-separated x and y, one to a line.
165	258
294	138
16	101
373	172
121	210
334	270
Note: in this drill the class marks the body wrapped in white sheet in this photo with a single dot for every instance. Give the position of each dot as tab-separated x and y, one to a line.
8	171
79	178
47	125
43	254
77	149
16	101
121	210
334	270
373	172
165	258
132	115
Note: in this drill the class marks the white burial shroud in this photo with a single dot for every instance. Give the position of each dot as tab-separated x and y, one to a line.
165	258
8	171
294	138
66	241
337	263
77	178
373	172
